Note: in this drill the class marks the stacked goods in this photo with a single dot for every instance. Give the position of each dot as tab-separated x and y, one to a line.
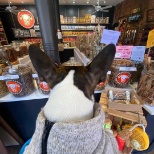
3	88
93	18
146	87
74	19
23	85
88	18
120	79
62	19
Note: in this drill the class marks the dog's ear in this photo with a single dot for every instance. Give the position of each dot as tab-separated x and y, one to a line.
42	63
101	64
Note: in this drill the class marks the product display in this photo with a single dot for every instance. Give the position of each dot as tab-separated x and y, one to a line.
120	79
23	85
3	88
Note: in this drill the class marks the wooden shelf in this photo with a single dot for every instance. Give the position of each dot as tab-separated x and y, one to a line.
3	41
84	23
67	41
29	37
77	29
70	36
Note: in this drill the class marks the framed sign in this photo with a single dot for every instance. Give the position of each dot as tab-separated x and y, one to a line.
26	19
150	15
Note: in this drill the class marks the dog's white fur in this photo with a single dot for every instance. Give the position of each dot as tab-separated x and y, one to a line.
67	103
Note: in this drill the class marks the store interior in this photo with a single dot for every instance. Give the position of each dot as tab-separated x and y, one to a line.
73	33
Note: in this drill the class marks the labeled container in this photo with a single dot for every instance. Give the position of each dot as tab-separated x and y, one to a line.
120	79
3	88
23	84
43	87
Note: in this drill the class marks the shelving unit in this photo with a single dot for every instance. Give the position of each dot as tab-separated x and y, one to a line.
84	23
3	38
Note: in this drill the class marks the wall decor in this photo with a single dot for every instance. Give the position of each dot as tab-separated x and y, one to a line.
26	19
150	15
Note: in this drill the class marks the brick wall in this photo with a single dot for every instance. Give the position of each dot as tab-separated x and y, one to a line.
125	8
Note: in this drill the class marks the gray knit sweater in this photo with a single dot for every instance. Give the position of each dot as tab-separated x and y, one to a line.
86	137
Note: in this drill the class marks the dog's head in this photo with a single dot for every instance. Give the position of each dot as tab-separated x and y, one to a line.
71	87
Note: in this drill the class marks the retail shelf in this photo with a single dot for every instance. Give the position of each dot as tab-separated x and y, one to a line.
3	41
84	23
77	29
70	36
67	41
2	33
29	37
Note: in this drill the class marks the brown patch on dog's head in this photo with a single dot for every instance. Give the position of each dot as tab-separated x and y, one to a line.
85	78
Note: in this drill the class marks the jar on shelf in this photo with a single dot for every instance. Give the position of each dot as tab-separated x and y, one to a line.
11	54
3	88
120	79
23	85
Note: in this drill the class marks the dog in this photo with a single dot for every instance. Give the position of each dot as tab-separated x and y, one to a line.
70	122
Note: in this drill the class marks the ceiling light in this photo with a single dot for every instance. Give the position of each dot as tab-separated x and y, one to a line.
22	2
87	2
104	1
73	2
10	2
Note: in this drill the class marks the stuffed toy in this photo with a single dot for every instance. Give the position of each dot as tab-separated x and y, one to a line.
70	122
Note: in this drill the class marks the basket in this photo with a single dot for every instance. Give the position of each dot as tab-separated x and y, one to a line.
139	139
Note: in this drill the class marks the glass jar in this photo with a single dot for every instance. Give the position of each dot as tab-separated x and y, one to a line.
120	79
22	86
11	54
3	88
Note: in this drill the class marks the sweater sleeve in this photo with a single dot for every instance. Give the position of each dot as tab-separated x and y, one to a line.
35	145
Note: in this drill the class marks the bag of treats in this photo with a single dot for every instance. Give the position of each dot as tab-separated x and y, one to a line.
120	79
23	84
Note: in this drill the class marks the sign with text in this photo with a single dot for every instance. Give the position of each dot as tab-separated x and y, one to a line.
110	37
123	52
150	42
138	53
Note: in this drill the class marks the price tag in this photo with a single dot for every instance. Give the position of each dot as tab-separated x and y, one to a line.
110	36
131	69
123	51
9	77
35	75
138	53
109	72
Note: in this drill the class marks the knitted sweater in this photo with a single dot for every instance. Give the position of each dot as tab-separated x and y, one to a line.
85	137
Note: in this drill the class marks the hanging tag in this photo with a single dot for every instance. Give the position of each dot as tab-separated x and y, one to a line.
131	69
9	77
35	75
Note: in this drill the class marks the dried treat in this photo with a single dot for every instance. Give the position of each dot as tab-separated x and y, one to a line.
146	89
3	88
120	79
22	86
23	49
11	54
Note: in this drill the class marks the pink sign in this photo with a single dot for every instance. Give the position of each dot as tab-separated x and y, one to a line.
123	52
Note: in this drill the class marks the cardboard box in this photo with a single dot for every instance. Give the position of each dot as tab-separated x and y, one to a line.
135	104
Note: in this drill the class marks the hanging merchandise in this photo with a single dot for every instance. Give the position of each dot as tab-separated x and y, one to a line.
26	19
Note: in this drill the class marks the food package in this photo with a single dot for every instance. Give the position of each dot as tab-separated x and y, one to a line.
23	49
145	87
124	100
120	79
93	18
74	19
23	85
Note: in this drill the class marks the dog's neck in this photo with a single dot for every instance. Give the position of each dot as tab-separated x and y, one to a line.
67	103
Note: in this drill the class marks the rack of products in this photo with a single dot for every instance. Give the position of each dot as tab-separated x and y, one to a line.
3	38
